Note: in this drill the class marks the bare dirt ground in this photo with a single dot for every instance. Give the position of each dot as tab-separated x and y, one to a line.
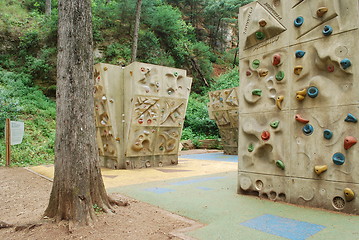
24	197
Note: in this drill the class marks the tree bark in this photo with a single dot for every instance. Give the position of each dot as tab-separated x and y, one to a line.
135	31
47	7
78	183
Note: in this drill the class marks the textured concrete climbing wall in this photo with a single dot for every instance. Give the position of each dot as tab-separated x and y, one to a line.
299	102
223	108
140	112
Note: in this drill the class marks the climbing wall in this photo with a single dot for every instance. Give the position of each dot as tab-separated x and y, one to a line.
223	108
140	110
299	102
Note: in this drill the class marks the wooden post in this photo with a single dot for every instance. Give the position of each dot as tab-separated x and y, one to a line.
8	137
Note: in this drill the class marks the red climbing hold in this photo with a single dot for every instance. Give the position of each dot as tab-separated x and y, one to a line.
265	135
276	60
349	142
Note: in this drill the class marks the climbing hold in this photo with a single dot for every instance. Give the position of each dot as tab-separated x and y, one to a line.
327	134
328	30
260	35
299	54
298	70
300	97
345	63
349	194
250	148
262	23
274	124
279	76
321	11
248	73
255	63
279	101
276	59
300	119
280	164
257	92
313	92
330	68
301	94
149	121
308	129
105	68
263	72
349	141
265	135
298	21
175	74
338	158
320	169
140	121
351	118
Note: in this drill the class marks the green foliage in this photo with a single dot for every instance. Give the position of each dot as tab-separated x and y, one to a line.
25	103
197	123
117	53
229	79
166	22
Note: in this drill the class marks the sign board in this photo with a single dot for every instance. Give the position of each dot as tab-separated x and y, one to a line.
17	132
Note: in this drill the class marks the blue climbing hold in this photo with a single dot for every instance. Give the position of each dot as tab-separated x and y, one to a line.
327	134
313	92
298	21
299	54
345	63
338	158
328	30
308	129
351	118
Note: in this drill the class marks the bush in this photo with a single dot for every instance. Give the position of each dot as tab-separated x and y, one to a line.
20	101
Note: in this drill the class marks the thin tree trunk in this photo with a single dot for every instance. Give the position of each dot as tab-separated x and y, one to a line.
135	32
78	184
47	7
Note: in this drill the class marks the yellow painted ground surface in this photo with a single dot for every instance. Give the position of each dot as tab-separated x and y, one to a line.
185	168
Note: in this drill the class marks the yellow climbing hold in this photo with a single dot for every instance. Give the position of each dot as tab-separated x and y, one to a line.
279	101
349	194
320	169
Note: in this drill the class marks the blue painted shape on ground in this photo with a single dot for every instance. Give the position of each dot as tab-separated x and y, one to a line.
212	156
159	190
283	227
205	188
197	180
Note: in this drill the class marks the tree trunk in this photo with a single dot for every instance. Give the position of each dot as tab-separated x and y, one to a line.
78	183
48	7
135	31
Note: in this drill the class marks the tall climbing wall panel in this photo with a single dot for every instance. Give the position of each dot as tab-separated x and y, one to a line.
140	110
299	102
223	108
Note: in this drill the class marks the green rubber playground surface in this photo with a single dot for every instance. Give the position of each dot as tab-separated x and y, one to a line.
203	187
212	200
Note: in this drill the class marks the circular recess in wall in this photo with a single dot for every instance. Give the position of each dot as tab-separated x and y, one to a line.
338	203
259	185
245	183
272	195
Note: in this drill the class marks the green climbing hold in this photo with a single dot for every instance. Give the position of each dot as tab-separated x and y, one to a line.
255	63
279	76
175	74
280	164
260	35
257	92
250	148
275	124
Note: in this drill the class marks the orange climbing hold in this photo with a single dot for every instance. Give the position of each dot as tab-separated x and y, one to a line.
301	119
